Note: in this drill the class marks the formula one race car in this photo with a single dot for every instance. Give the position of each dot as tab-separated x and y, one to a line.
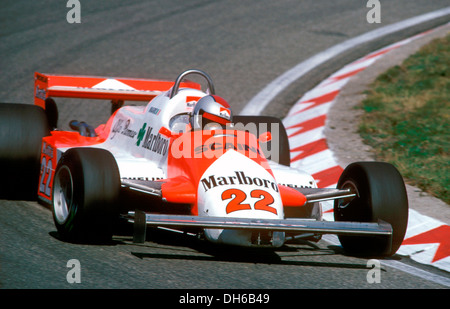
184	162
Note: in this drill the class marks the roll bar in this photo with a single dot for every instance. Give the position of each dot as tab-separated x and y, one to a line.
188	72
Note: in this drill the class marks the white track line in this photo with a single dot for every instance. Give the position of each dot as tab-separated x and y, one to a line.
256	105
409	269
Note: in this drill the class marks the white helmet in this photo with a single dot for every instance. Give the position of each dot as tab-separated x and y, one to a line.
211	109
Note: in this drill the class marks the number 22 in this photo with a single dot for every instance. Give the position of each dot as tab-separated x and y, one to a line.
46	177
238	196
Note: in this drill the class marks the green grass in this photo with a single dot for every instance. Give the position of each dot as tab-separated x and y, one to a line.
406	118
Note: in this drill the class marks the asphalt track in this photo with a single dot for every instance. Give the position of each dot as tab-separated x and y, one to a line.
243	46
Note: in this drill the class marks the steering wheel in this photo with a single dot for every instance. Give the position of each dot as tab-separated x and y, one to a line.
188	72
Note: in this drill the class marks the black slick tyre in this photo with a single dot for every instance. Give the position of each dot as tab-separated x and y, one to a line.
22	127
86	192
278	148
381	195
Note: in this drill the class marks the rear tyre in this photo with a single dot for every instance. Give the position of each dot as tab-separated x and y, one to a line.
86	192
381	195
278	148
22	127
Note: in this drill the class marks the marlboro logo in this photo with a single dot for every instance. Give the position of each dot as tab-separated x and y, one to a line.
238	178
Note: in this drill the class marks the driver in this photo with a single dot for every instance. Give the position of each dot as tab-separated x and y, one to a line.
211	112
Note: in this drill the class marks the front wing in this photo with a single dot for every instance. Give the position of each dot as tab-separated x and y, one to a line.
142	219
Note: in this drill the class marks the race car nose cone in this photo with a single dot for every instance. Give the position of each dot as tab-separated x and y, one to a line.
236	186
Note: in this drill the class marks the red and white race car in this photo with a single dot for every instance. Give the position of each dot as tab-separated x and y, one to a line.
184	161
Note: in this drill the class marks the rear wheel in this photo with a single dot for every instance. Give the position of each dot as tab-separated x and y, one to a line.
22	127
86	192
278	148
381	195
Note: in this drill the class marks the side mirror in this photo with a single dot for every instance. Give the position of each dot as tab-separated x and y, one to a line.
165	132
169	134
265	137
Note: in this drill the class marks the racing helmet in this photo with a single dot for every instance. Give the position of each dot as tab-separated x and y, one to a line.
210	111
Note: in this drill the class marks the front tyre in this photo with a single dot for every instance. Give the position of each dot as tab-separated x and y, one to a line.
85	195
381	195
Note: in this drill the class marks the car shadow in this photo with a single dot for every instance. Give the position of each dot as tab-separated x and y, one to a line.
183	247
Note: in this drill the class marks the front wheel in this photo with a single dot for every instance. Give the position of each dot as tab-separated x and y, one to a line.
381	195
85	195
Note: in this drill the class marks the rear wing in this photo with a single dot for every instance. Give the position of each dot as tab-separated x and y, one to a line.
103	88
